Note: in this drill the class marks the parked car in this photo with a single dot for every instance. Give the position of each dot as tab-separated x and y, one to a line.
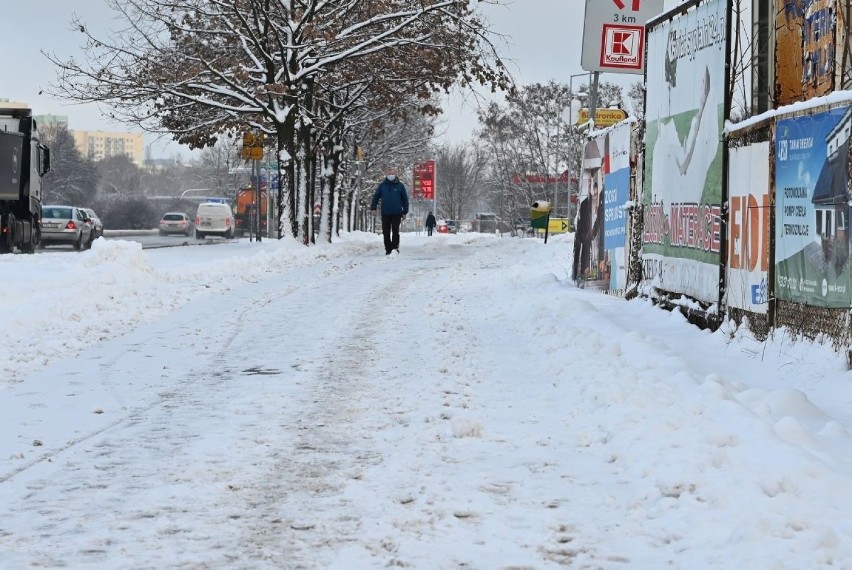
67	225
214	218
176	223
448	227
96	223
486	223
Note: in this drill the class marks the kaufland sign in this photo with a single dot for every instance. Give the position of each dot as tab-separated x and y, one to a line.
614	34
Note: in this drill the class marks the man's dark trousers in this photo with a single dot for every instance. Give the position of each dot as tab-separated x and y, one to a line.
390	231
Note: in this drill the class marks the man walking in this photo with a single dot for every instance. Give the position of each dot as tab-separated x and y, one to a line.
394	208
430	223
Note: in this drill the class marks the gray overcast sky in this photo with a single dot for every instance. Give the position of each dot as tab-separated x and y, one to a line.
543	42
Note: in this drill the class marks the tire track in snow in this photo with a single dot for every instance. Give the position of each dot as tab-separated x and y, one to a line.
331	442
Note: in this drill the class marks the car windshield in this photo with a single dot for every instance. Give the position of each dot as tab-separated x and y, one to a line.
57	213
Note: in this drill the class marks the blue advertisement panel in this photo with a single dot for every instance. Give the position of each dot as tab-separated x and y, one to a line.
617	194
812	209
616	197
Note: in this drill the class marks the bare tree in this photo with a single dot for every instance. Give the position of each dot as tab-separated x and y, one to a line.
199	68
73	179
461	170
500	135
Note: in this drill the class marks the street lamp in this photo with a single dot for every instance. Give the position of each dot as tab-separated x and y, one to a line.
579	100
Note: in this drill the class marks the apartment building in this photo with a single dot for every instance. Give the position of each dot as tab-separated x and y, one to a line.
98	145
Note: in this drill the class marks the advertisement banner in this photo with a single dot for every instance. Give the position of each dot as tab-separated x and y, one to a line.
616	196
682	194
805	48
812	209
748	228
590	261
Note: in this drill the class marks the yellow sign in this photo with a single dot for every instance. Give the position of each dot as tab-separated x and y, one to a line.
252	146
251	139
252	153
558	225
603	117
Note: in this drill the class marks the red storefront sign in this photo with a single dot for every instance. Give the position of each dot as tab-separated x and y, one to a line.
534	178
424	180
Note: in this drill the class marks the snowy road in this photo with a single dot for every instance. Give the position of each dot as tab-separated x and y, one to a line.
457	406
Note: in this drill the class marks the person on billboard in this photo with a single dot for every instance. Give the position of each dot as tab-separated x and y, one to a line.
684	164
430	223
394	200
588	232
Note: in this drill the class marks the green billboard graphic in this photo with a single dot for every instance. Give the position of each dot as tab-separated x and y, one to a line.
682	194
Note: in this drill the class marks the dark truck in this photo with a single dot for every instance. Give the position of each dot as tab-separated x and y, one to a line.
23	162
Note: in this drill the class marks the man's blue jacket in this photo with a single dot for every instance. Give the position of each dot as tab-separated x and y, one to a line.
393	196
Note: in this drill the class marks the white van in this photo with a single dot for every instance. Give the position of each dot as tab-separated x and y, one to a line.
214	218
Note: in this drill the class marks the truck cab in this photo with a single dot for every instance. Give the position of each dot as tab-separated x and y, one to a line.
24	160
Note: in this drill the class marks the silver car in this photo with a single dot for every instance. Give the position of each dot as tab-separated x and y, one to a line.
175	223
67	225
96	223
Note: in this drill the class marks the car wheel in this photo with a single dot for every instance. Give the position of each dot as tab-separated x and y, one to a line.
199	235
78	245
162	233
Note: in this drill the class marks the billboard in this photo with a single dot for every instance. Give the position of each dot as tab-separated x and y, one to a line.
682	178
590	265
748	228
614	34
616	196
424	181
812	209
805	48
600	239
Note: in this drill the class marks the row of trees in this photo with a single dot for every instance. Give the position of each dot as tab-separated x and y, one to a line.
340	90
525	135
319	79
524	150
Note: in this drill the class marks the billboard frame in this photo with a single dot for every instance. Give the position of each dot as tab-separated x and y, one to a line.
711	312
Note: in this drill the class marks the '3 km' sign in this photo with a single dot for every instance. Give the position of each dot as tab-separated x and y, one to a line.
614	41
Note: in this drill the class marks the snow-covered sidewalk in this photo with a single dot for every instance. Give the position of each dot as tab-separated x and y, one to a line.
460	405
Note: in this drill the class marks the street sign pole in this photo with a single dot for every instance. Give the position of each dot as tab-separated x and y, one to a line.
253	151
435	189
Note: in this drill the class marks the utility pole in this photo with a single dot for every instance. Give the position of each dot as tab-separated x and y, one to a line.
593	97
253	150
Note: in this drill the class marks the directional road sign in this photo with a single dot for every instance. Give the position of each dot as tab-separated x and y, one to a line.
614	34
